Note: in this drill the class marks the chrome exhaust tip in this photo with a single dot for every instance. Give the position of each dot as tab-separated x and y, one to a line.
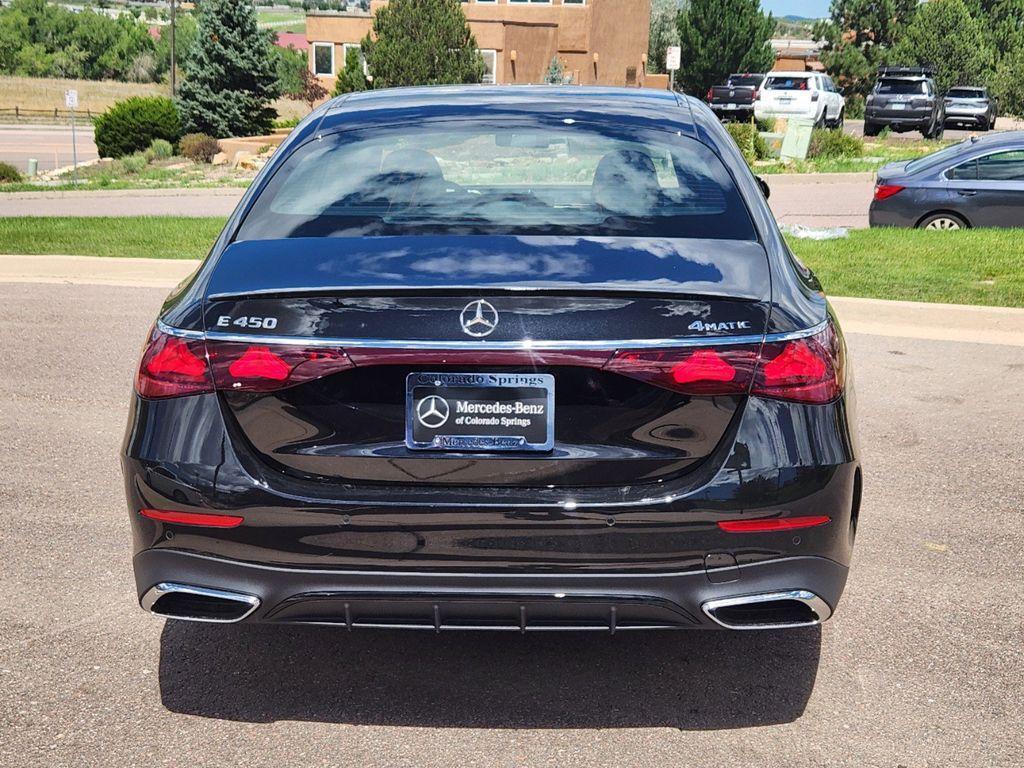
768	610
188	603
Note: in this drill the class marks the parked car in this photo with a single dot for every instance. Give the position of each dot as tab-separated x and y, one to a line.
735	100
497	358
905	99
976	183
970	107
806	95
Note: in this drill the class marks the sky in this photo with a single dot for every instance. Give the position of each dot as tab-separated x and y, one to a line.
813	8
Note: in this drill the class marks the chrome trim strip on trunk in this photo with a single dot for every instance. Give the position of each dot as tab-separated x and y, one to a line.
484	345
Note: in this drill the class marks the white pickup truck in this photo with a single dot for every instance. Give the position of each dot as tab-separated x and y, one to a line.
807	95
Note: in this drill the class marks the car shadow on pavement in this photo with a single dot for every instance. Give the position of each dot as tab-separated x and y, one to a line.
687	680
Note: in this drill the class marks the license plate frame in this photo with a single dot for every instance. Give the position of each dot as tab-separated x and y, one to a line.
479	412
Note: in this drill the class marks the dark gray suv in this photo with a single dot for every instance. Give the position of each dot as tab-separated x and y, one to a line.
905	99
977	183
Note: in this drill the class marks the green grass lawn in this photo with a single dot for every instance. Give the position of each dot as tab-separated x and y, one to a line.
970	267
159	237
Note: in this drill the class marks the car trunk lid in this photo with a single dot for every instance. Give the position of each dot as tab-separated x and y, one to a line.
570	308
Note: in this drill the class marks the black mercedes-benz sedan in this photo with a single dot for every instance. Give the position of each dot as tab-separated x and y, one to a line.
497	358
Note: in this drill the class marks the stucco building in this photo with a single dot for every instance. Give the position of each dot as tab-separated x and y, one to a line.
600	42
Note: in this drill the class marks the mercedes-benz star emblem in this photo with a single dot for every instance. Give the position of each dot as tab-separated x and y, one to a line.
432	411
479	318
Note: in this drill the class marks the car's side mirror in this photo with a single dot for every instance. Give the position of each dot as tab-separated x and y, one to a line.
765	189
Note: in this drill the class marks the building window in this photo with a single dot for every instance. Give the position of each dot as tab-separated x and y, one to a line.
490	66
323	59
574	2
530	2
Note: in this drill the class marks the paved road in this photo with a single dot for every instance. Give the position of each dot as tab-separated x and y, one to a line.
921	666
50	145
856	128
821	200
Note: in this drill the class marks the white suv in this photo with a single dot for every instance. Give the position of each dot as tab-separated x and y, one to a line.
806	95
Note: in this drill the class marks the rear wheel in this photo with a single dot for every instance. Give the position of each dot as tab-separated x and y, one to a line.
840	121
985	126
942	221
870	129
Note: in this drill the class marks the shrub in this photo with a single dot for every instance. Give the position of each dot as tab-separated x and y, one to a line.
160	149
8	173
855	107
750	142
132	125
765	124
198	147
135	163
826	143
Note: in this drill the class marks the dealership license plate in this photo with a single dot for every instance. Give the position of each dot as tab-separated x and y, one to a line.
480	411
897	106
730	106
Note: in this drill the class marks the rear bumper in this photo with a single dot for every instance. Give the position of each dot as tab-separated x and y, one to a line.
515	602
967	118
910	121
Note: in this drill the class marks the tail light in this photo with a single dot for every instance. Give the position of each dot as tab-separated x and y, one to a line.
756	96
711	92
884	191
173	366
807	370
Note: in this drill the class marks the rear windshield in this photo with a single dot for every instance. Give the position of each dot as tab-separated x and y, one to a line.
902	87
937	158
777	83
746	80
473	177
966	93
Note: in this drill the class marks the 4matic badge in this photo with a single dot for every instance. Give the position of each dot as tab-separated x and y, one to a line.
733	325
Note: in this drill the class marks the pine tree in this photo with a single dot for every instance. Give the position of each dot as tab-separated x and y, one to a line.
422	42
858	37
556	72
944	34
231	78
352	77
719	37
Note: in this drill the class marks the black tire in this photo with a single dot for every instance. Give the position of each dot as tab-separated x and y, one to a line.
822	121
870	129
840	121
985	126
943	221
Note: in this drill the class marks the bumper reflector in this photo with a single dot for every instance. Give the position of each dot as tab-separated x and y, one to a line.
765	525
199	519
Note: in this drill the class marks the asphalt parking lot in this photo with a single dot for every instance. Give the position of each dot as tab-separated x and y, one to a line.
921	666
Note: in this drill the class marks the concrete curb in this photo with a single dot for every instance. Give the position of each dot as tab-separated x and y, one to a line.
876	317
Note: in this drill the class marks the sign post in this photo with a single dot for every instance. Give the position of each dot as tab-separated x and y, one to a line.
71	102
673	57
